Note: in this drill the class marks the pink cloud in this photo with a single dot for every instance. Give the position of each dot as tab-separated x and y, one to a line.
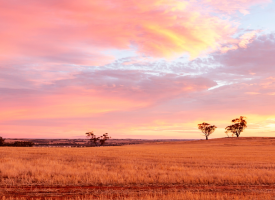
256	59
77	32
247	38
95	92
240	42
73	104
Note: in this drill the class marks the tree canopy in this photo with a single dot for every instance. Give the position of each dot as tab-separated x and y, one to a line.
238	126
206	129
102	139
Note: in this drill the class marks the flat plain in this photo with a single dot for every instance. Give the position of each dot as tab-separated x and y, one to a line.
227	168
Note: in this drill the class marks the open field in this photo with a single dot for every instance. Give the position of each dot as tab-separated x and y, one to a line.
228	168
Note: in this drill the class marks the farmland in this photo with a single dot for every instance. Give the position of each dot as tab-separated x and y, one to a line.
242	168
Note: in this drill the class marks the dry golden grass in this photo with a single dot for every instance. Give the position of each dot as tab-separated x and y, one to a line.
171	196
238	162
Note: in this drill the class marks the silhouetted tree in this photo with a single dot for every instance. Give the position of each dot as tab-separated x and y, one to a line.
103	138
238	126
93	138
206	129
2	141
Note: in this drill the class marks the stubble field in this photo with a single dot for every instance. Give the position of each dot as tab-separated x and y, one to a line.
228	168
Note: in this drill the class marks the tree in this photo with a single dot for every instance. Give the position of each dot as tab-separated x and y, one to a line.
92	137
207	129
102	139
2	141
238	126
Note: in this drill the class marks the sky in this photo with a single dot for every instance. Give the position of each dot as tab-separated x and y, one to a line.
136	69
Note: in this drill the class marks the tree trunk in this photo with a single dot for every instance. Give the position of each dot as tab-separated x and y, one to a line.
237	134
206	137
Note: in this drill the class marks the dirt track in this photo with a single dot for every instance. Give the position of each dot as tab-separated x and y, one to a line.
70	191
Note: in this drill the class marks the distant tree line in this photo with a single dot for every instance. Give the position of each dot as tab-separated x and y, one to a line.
238	126
15	144
96	141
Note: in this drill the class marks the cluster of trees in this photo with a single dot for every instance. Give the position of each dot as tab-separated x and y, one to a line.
15	144
238	126
97	141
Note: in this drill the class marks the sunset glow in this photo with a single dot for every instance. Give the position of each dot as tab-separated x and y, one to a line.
136	69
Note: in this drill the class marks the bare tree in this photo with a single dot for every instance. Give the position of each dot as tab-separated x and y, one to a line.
238	126
93	138
206	129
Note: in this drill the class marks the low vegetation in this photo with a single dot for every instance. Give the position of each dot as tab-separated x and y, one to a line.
16	143
2	141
